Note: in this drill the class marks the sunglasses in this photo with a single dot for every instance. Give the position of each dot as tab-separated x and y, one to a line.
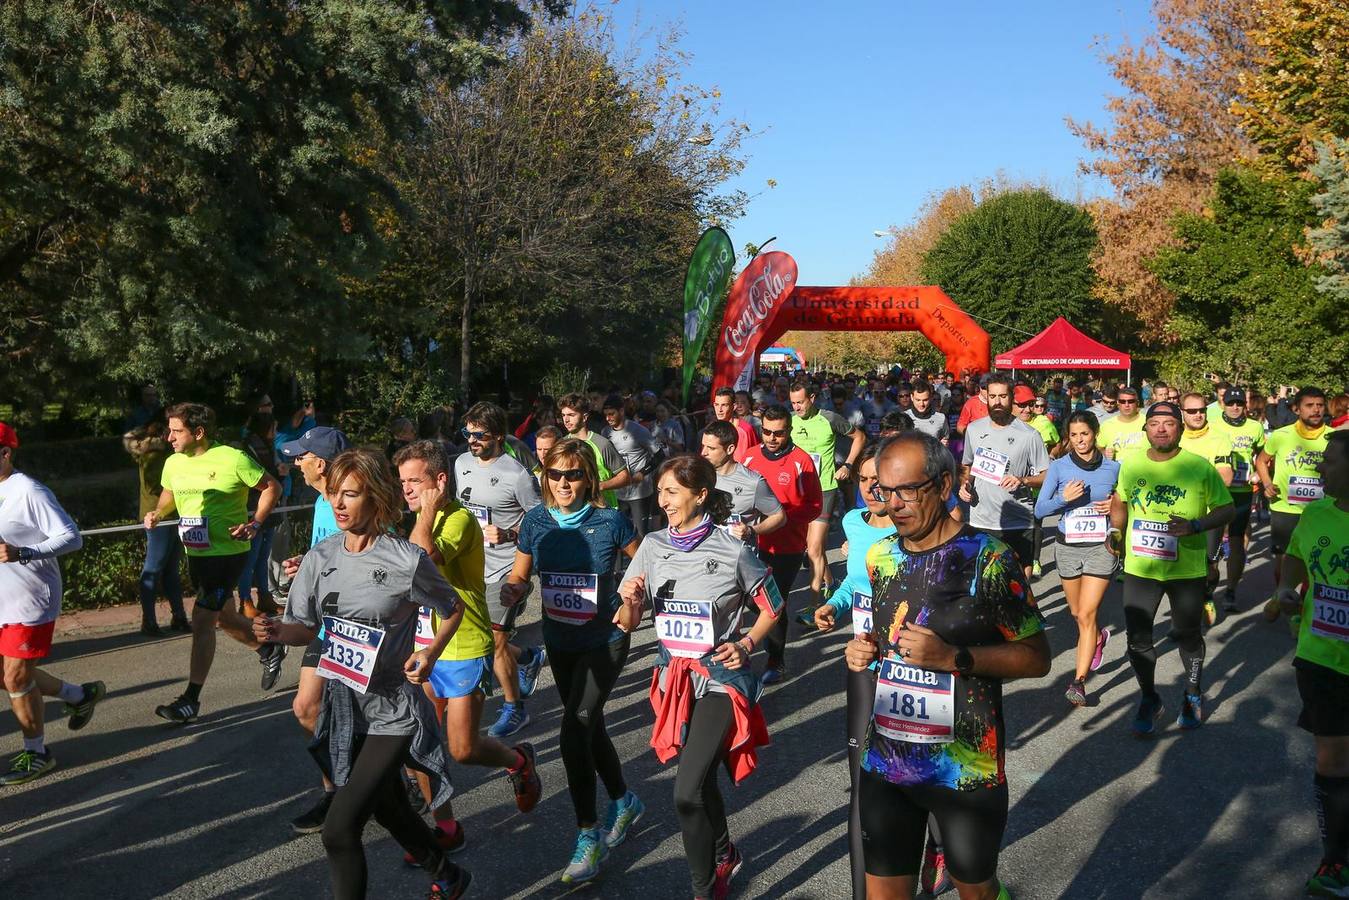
779	432
1123	402
475	435
572	475
1194	410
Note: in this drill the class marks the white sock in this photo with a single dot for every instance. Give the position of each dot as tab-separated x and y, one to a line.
35	745
71	693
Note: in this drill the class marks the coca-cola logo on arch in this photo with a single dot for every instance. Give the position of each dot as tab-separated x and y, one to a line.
771	278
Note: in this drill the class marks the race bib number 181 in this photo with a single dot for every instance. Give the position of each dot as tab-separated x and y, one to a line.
913	704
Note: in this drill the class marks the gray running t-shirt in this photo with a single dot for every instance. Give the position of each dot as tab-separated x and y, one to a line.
382	586
1016	449
499	493
935	424
633	442
752	500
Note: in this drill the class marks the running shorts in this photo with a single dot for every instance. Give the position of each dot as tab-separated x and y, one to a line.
1281	525
894	826
1325	699
215	578
26	641
831	501
461	677
1076	560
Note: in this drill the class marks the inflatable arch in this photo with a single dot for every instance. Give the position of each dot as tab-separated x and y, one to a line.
765	302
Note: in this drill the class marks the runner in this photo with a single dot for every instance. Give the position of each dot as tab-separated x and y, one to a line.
462	676
34	531
862	528
976	407
1078	489
208	483
701	583
634	444
1004	459
572	541
573	410
1165	499
790	472
498	491
365	587
952	619
163	550
744	412
312	453
1024	405
1318	556
1122	433
816	432
1056	403
755	509
545	439
925	415
1215	446
1248	440
1295	451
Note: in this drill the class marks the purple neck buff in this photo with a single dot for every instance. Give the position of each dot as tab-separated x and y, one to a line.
685	541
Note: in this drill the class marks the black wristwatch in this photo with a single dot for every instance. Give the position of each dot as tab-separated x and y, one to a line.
964	662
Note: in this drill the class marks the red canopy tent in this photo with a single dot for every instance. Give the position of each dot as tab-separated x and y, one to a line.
1061	346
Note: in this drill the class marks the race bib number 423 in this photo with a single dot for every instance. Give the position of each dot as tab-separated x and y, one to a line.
349	652
684	627
569	598
913	704
989	465
1330	612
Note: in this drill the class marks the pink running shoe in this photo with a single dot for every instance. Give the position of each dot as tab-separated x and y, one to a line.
1102	637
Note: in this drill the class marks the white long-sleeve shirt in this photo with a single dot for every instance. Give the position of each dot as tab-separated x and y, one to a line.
30	516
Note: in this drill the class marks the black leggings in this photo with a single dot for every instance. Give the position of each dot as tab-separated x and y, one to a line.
894	823
861	700
702	814
375	787
1142	596
584	681
784	569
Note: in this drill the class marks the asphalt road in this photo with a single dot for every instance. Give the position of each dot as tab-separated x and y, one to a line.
142	808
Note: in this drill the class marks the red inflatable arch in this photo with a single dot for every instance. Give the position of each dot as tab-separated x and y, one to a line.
765	302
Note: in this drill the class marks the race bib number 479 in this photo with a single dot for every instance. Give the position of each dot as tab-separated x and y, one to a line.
349	652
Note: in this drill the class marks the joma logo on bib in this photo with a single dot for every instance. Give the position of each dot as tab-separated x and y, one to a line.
677	607
347	629
900	672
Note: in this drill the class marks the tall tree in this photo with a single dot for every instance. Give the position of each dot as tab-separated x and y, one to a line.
1330	241
1298	94
183	187
1170	132
1246	305
1016	262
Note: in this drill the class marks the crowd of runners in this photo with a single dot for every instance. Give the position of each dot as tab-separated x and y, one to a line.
618	511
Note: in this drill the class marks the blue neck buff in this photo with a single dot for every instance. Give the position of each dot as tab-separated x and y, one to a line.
571	519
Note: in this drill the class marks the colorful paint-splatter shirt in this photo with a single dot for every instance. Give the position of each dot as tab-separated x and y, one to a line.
972	593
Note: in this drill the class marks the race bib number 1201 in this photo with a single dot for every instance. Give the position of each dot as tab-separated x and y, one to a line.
1330	612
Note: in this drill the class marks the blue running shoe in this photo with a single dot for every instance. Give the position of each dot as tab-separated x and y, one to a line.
586	858
513	717
529	671
1150	709
623	814
1191	712
772	675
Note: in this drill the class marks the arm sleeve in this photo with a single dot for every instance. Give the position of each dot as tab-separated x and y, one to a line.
967	456
1045	504
641	565
757	582
430	589
1295	548
1039	456
841	426
841	599
62	534
766	503
624	532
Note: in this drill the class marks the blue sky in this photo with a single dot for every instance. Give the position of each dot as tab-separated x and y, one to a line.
866	108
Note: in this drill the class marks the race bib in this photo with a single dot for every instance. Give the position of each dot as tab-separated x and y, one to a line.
570	598
913	704
989	465
1304	489
1330	612
815	458
1241	473
873	426
482	513
861	613
1085	526
426	632
684	627
1151	539
194	532
349	652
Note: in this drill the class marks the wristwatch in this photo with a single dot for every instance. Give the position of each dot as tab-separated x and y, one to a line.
25	555
964	662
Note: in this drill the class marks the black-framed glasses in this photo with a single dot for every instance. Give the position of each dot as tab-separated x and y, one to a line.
572	475
907	492
1127	402
475	435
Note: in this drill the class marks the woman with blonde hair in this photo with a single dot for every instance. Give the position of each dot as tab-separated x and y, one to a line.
571	541
365	586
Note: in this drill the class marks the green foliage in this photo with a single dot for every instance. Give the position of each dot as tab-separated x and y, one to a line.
1331	240
1018	259
1246	304
106	572
184	187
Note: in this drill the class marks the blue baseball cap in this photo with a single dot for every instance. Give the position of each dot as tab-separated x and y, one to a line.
323	442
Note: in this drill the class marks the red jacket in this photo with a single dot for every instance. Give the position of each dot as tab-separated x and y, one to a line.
797	485
674	709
